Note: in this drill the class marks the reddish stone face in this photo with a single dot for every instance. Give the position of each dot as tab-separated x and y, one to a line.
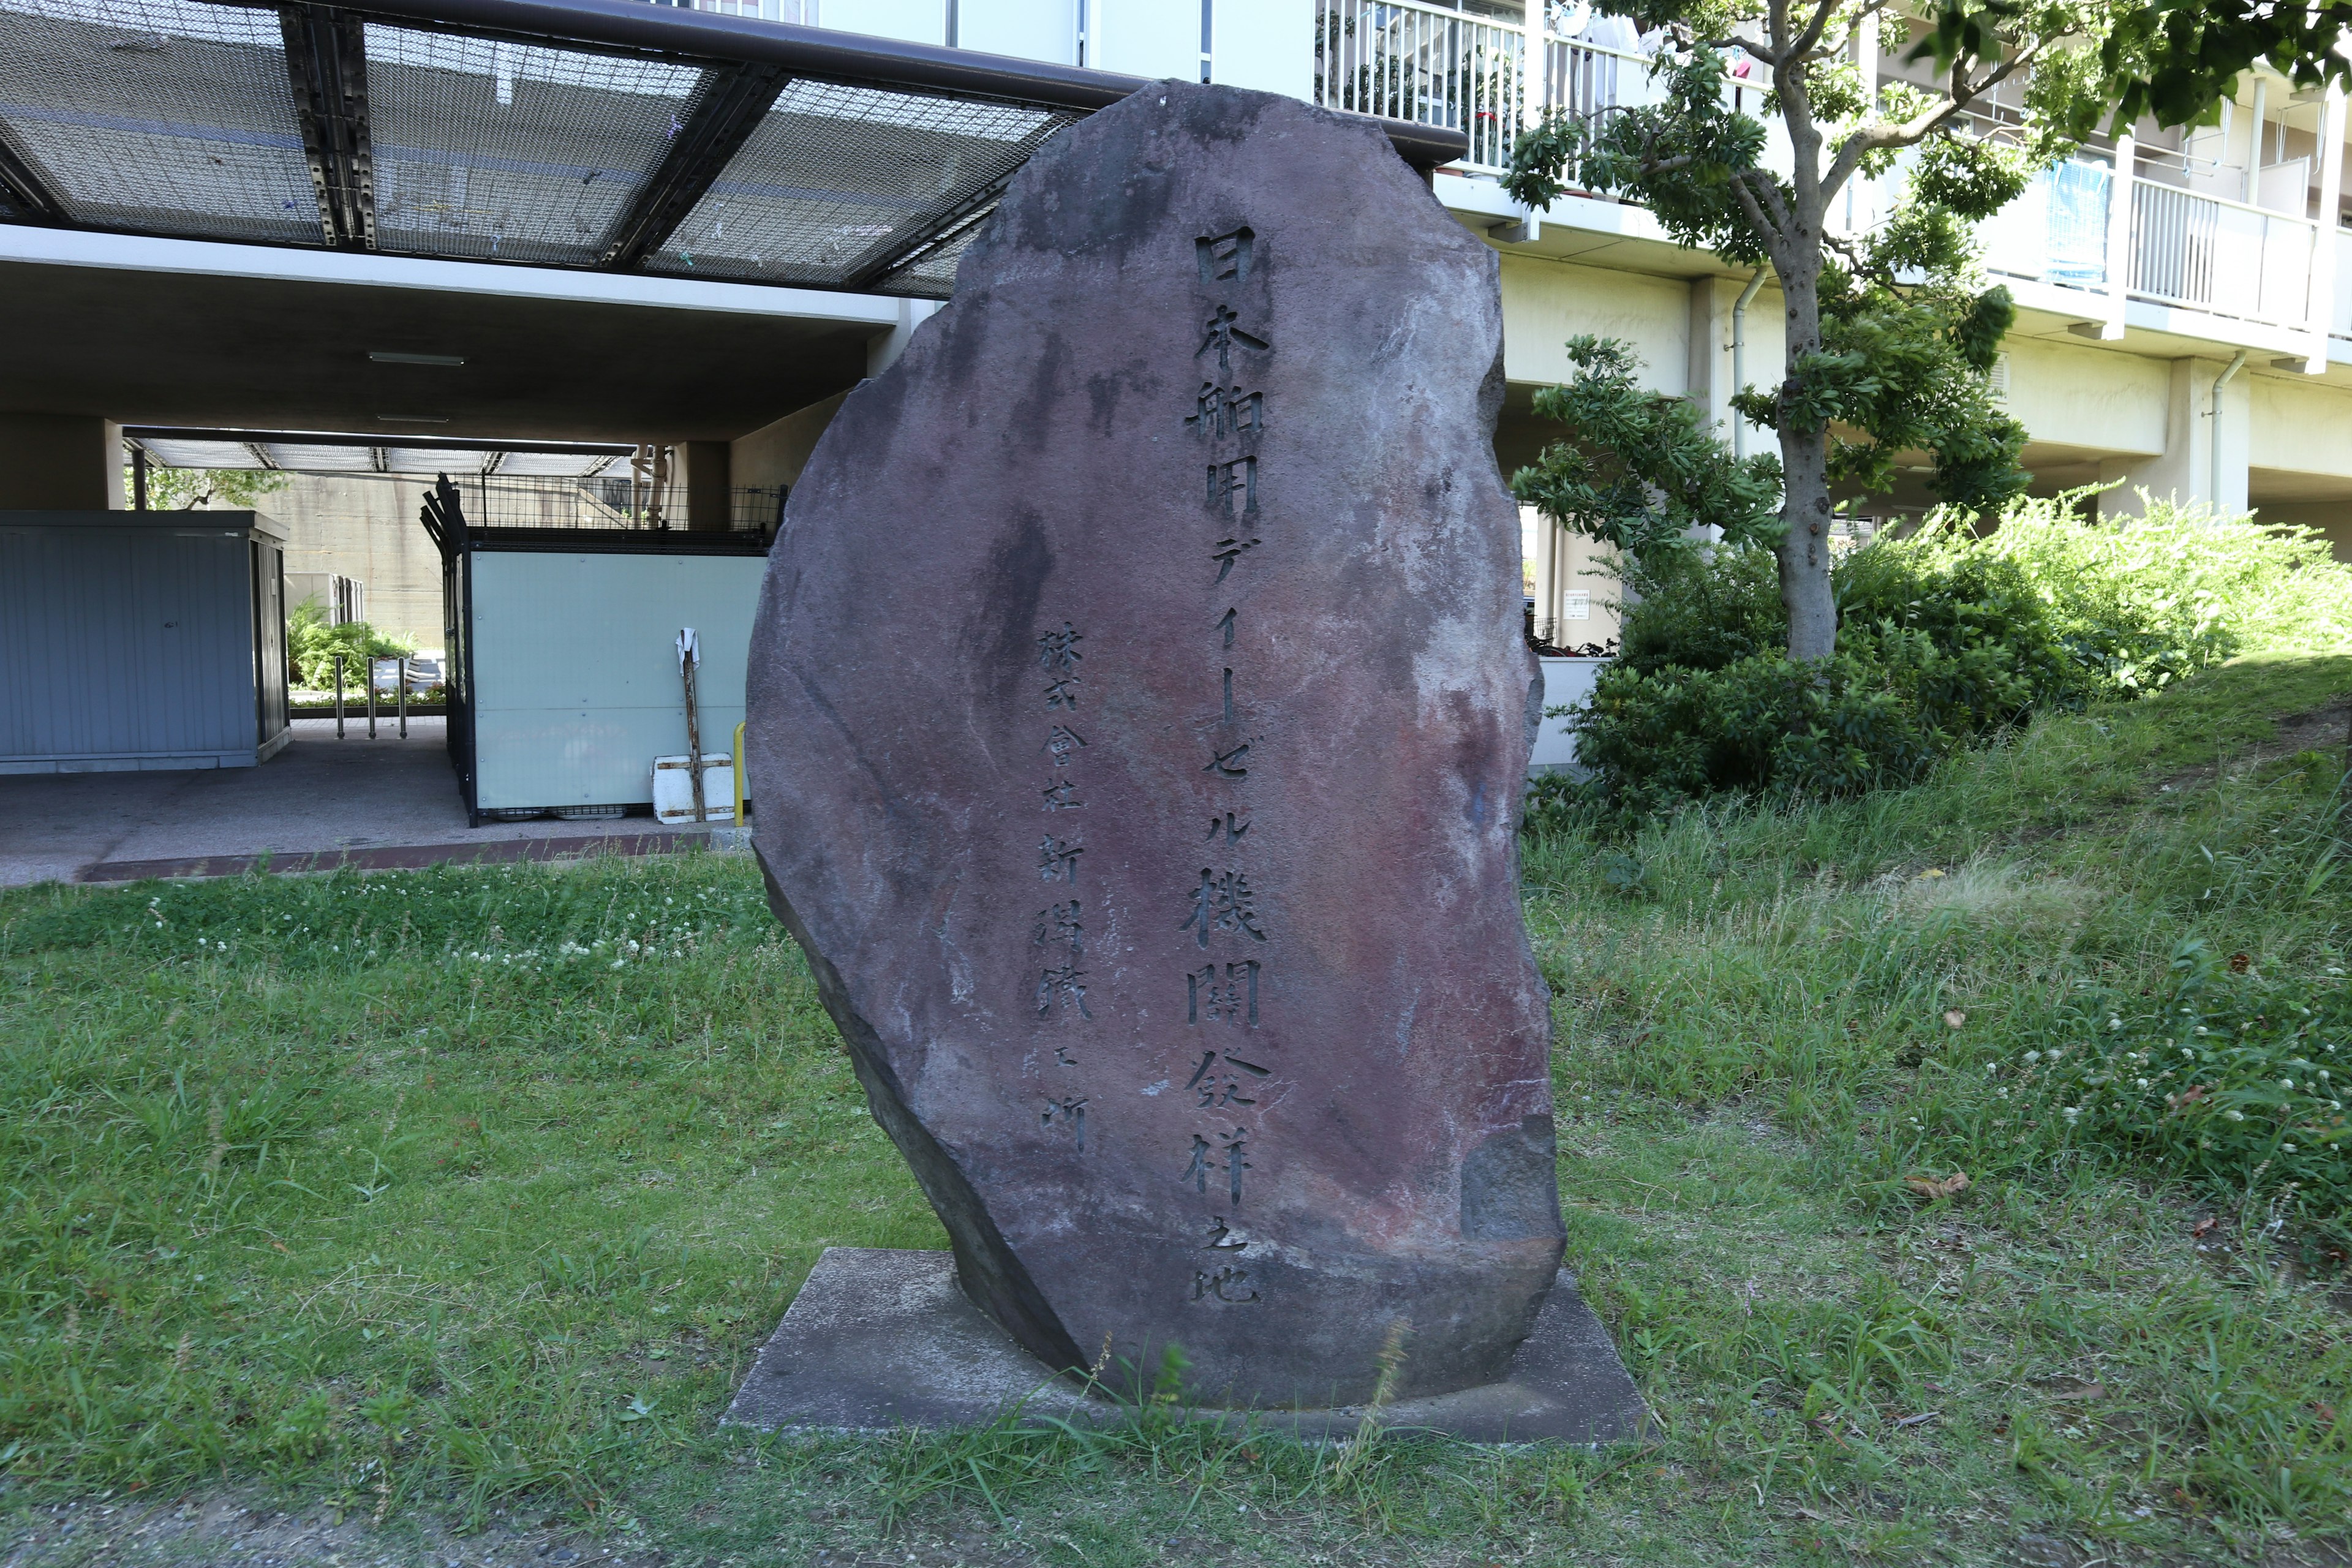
1138	723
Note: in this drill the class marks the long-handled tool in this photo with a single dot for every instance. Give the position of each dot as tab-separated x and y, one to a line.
689	659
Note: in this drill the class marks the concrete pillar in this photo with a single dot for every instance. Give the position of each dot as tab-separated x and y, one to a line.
884	350
60	462
2185	471
1708	379
707	497
2322	311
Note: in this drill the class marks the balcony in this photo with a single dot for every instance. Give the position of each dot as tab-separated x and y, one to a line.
2190	250
1466	69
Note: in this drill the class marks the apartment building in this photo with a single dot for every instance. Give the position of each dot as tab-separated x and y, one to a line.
2185	322
2185	306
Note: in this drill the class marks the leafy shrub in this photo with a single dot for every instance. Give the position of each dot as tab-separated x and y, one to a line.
1944	637
312	645
2233	1083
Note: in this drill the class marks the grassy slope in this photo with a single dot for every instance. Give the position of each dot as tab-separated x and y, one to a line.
369	1189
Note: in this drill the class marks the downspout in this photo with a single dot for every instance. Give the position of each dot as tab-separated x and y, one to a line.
2237	364
1740	359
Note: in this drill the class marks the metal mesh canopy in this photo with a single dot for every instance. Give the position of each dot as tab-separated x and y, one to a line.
593	134
838	181
188	454
126	110
316	459
557	466
513	152
299	454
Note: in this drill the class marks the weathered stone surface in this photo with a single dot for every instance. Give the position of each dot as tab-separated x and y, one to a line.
1138	718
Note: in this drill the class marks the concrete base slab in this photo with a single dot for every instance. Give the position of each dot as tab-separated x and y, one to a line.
879	1340
322	803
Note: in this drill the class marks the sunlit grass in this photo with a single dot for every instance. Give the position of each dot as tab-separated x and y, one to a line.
429	1191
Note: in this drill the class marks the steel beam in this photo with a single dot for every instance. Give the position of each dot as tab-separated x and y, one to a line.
27	190
827	54
733	100
875	266
326	66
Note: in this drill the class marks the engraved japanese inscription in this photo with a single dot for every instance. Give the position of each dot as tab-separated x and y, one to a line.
1137	724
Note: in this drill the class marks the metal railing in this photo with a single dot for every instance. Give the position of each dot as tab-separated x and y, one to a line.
602	501
2056	232
1427	64
2212	254
1583	79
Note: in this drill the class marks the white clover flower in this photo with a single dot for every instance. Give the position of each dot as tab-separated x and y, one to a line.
2114	1024
2286	1083
2203	1030
2032	1057
2289	1148
2072	1112
2235	1115
2142	1082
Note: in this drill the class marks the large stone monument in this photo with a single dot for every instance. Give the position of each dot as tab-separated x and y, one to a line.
1139	721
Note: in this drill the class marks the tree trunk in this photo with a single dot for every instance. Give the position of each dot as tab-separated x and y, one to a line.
1804	548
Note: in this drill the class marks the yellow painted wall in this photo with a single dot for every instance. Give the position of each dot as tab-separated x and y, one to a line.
2300	426
1545	303
2083	396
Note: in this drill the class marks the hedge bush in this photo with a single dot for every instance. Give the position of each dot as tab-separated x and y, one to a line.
312	645
1946	637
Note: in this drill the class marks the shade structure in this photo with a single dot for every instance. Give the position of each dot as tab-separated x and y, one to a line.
299	452
602	135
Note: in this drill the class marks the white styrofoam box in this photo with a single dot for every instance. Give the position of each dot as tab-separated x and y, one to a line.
575	669
673	790
1566	680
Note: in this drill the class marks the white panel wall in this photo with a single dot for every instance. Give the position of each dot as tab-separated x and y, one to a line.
1545	303
2089	398
575	669
917	21
2300	426
1027	29
1267	45
1147	38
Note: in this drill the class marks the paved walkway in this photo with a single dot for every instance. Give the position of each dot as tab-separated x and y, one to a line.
318	804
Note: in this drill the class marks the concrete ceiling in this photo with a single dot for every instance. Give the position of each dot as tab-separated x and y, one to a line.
174	347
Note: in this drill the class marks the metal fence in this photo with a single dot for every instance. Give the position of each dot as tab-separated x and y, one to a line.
2190	248
606	502
1426	64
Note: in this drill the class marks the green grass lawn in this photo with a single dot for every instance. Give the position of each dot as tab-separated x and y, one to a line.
431	1195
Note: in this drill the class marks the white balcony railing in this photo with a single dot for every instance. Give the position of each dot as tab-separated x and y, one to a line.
2224	257
2057	231
1426	64
1416	60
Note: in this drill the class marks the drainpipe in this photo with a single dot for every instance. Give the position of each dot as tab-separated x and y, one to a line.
1740	358
2237	364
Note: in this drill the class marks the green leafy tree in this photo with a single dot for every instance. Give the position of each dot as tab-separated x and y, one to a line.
1638	469
185	490
2176	60
1888	343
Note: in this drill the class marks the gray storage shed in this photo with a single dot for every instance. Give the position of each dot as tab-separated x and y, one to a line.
140	640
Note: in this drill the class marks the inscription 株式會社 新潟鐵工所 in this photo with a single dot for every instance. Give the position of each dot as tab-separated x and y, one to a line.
1060	929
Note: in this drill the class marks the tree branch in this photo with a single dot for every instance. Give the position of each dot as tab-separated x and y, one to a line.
1823	11
1881	134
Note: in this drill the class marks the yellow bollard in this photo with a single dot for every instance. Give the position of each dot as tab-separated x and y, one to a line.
739	775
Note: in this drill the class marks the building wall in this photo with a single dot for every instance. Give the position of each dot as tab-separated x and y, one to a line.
366	528
2078	396
775	454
